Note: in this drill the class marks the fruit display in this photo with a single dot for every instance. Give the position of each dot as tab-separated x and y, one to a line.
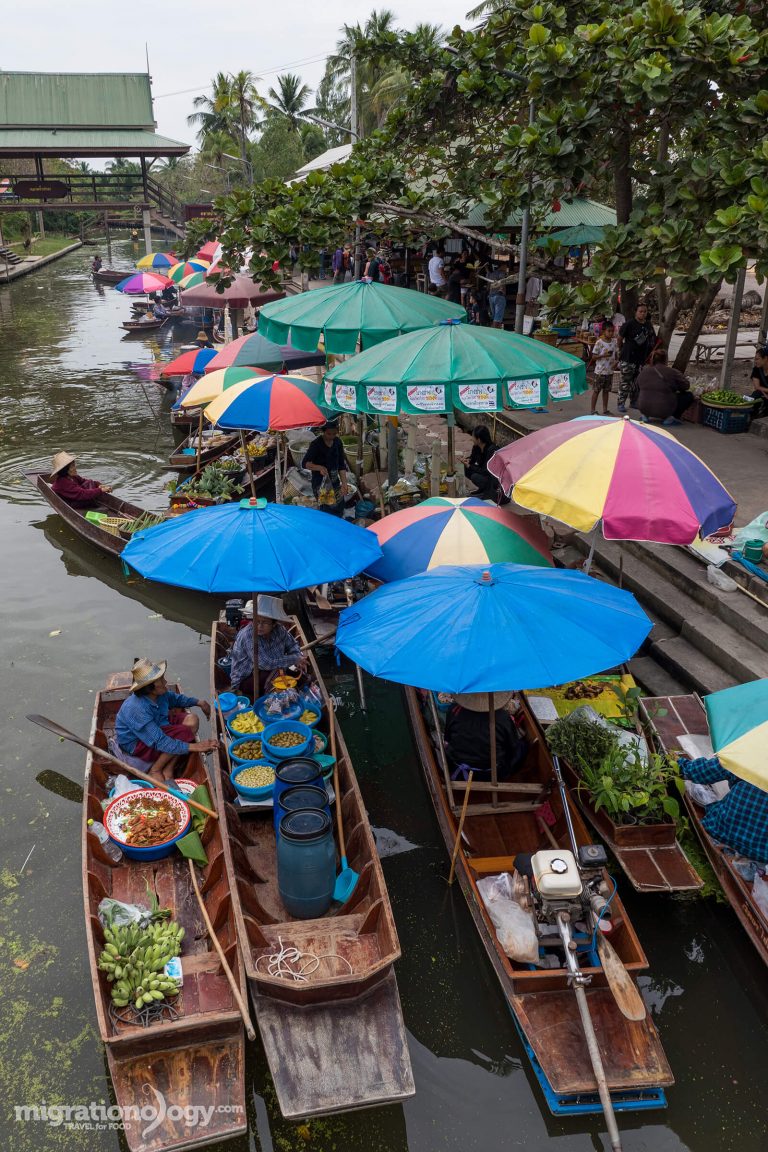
260	776
246	722
308	717
287	739
283	683
134	959
727	398
249	750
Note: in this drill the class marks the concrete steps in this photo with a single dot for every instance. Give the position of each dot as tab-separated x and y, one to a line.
8	256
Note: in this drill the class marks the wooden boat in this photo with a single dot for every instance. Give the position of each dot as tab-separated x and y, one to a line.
323	603
197	1059
109	539
336	1041
668	718
110	275
220	444
542	1003
138	326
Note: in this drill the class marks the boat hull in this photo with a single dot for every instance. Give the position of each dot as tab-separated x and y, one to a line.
75	517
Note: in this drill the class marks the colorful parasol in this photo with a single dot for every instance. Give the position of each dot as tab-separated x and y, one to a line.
209	251
447	531
194	360
344	314
242	291
639	481
191	281
267	403
738	726
254	351
160	261
214	383
187	268
452	365
143	284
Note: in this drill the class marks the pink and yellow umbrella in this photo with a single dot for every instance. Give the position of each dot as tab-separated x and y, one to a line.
143	284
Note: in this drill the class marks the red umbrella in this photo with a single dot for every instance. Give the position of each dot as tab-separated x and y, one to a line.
209	250
241	292
195	360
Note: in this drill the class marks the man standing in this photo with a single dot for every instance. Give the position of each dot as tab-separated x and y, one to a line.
497	295
637	340
437	281
338	265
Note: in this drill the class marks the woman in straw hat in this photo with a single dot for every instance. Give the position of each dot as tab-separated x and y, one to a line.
66	483
468	737
153	724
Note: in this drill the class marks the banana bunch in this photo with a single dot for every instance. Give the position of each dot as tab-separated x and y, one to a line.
134	958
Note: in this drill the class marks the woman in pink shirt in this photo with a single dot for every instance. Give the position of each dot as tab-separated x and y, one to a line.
69	486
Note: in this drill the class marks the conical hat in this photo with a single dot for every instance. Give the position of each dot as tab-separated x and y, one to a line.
478	701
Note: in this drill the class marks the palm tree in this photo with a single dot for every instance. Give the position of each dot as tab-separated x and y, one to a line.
291	97
213	113
394	84
367	71
486	8
244	101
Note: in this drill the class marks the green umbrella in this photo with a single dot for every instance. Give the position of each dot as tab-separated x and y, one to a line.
577	235
345	313
453	365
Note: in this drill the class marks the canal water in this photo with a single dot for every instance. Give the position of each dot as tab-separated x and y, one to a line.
71	380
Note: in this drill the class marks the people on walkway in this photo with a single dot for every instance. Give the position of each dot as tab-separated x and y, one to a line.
66	483
759	381
497	295
740	819
372	270
663	392
337	265
153	723
476	464
605	353
637	340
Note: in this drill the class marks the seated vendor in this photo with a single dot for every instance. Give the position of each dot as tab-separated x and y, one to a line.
476	465
740	819
152	723
278	651
468	737
76	490
326	460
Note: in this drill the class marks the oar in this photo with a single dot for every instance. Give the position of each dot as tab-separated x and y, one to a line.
625	992
347	879
318	640
65	734
249	1031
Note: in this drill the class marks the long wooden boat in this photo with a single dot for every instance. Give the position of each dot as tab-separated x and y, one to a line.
110	275
112	541
337	1040
138	326
195	1060
668	718
543	1005
181	460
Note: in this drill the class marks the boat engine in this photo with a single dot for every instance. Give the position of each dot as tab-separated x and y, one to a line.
552	883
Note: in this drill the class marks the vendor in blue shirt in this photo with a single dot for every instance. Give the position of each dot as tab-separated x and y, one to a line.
152	723
740	819
278	651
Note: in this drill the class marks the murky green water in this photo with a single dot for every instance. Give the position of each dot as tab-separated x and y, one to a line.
69	380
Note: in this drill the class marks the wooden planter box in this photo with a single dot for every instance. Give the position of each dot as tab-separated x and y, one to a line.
629	835
547	337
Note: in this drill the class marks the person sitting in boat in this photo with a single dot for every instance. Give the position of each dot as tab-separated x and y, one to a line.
278	651
159	311
169	296
202	340
96	264
76	490
153	724
326	460
468	737
740	819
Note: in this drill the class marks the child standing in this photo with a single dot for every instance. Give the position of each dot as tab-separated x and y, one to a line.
605	354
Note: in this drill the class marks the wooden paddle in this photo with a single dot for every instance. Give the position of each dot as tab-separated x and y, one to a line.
625	991
126	769
249	1031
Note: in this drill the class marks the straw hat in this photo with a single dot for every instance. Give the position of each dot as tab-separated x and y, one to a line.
202	335
61	460
478	701
144	672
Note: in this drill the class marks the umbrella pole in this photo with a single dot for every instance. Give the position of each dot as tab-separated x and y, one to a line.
255	648
199	440
588	564
451	477
492	732
278	471
358	669
244	447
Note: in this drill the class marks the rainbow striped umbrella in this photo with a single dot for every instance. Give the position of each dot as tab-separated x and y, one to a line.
266	404
447	531
187	268
194	360
158	260
142	284
637	480
738	725
214	383
191	281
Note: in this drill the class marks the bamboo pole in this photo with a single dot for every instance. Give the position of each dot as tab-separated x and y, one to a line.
460	828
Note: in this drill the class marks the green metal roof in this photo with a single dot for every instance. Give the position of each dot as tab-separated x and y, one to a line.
76	100
572	213
18	142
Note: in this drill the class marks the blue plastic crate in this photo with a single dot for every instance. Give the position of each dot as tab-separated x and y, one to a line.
727	420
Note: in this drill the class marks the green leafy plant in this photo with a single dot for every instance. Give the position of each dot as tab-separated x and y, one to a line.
580	740
631	789
214	483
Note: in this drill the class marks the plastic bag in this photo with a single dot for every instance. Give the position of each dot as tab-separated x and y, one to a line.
760	893
514	926
311	697
756	530
122	785
115	912
703	794
284	705
720	580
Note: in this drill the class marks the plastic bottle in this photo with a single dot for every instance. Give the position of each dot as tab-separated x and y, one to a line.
99	831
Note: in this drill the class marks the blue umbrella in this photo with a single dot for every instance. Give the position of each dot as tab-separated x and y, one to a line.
493	628
251	545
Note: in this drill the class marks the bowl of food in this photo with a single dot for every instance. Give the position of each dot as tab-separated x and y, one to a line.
248	749
147	824
319	743
254	781
286	738
245	724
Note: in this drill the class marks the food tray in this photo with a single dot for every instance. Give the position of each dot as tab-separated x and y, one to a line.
606	704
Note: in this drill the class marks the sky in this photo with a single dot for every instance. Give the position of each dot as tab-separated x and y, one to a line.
189	41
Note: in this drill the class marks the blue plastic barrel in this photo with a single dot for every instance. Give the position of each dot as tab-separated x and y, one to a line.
306	863
292	774
305	796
